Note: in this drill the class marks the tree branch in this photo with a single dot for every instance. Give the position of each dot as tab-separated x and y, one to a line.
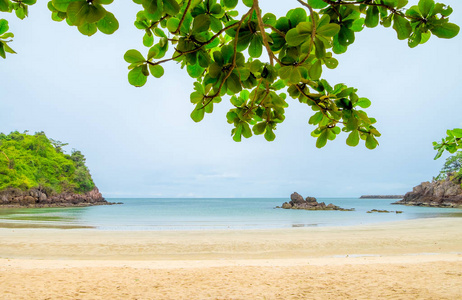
263	34
313	32
183	17
233	65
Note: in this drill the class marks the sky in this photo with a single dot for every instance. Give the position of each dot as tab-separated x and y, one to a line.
141	142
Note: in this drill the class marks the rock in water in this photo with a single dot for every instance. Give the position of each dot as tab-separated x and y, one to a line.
296	198
443	193
310	203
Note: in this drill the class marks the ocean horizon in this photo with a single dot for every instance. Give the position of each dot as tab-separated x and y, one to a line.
214	213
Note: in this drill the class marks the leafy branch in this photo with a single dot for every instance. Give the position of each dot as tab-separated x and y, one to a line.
221	50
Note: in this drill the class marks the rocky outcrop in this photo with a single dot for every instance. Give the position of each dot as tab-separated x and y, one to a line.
381	197
310	203
443	193
38	198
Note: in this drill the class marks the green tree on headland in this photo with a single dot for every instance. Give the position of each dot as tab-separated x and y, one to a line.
452	168
34	161
222	49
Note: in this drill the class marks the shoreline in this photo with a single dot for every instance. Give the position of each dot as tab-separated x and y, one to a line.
412	259
419	235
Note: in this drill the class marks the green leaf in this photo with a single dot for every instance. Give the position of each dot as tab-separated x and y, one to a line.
353	138
133	56
295	38
256	46
201	23
259	128
345	36
203	59
402	27
297	15
8	49
372	17
331	62
108	24
295	75
61	5
316	118
316	70
137	77
322	139
88	29
171	7
151	6
337	47
148	39
21	12
371	142
156	70
269	19
269	134
95	13
246	132
446	31
2	51
4	6
328	30
317	4
77	12
415	38
457	132
198	113
195	71
233	83
426	7
215	24
363	102
196	97
230	3
248	3
172	24
3	26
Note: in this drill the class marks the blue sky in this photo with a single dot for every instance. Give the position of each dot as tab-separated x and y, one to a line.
141	142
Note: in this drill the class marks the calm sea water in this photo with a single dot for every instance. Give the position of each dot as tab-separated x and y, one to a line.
208	213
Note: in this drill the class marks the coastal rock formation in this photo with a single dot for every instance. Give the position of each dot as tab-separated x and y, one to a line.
381	197
443	193
13	197
310	203
383	211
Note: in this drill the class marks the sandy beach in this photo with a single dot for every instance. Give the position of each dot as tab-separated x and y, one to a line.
416	259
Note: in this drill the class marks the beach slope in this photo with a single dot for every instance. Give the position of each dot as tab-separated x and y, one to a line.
417	259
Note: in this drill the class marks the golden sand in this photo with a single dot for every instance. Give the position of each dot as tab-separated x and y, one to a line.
418	259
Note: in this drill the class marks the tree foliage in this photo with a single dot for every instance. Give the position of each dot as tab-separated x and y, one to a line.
452	168
256	58
34	161
451	143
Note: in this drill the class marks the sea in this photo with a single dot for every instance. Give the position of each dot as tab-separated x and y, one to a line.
214	214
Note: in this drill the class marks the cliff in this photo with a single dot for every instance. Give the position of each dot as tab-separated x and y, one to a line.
442	193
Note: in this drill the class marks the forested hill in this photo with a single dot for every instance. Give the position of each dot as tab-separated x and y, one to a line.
35	161
35	172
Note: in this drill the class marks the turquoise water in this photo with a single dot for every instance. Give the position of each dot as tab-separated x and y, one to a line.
224	213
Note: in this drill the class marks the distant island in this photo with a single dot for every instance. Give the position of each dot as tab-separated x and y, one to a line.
381	197
35	172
